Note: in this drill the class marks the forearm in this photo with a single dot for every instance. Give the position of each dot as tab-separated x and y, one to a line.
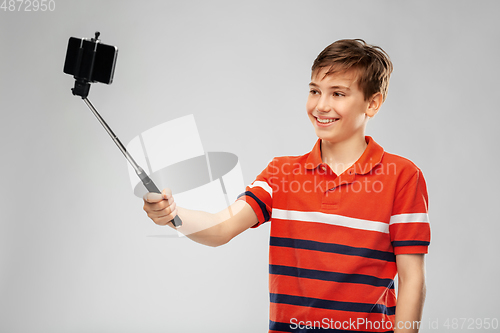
410	303
202	227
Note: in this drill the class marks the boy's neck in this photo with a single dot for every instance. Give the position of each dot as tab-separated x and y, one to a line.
341	155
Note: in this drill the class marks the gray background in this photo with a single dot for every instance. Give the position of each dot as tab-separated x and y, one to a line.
76	249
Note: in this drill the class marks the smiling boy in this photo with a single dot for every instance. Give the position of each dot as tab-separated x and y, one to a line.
345	218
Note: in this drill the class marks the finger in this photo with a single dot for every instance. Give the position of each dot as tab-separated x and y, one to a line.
158	206
155	207
167	193
160	209
174	212
160	214
173	209
150	207
152	197
163	218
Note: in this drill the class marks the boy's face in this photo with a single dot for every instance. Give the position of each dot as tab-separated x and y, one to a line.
337	107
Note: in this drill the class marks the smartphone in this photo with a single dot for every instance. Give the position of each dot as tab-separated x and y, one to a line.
90	60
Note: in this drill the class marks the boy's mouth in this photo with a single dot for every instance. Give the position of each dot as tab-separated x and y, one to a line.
326	120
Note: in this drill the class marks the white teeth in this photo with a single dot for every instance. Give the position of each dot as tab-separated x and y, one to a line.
326	121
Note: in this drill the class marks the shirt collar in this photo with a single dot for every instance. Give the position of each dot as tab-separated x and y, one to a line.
314	158
371	157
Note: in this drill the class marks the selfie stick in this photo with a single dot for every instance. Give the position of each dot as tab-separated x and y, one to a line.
81	89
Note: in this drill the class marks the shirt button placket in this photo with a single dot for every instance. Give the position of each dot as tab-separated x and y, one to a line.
331	197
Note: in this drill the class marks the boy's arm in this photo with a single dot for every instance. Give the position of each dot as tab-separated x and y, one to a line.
411	292
224	225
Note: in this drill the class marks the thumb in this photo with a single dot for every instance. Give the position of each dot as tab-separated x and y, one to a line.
153	197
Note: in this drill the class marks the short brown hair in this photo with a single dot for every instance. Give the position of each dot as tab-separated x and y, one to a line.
372	64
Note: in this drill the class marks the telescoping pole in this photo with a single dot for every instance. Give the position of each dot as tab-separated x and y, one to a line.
148	182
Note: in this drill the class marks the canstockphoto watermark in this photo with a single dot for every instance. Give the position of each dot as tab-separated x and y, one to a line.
296	169
320	185
350	324
365	324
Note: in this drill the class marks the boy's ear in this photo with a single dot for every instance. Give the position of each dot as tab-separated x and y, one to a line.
375	103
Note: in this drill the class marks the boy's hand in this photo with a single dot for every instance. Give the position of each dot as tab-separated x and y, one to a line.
161	208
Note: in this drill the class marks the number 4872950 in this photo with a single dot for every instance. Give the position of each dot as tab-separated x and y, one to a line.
28	5
471	323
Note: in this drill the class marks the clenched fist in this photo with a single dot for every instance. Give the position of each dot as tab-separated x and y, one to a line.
161	208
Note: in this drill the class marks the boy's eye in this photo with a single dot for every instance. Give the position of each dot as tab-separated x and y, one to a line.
338	94
313	92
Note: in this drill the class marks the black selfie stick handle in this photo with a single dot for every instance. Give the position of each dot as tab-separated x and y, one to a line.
148	182
151	187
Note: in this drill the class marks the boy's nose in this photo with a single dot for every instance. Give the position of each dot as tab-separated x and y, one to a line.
323	106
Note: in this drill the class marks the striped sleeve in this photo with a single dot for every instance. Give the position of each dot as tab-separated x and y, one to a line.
260	194
409	226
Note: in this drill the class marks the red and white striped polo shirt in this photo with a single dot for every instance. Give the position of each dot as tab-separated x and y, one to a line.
334	238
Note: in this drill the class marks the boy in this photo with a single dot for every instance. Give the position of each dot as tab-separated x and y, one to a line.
346	217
